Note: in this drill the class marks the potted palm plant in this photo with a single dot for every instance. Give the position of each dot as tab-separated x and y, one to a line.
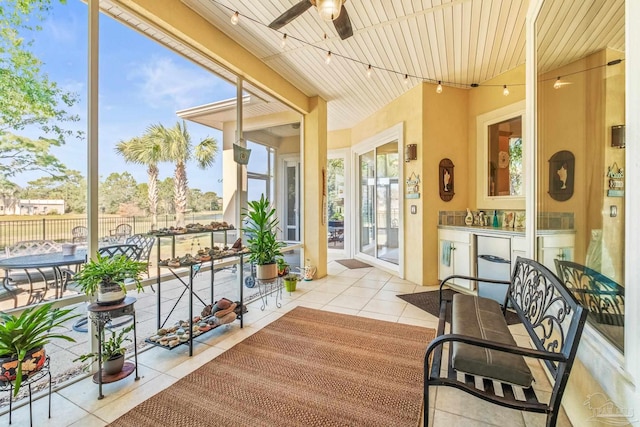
22	340
260	225
112	351
106	277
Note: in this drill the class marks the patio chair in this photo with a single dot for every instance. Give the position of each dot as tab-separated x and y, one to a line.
145	243
79	234
120	233
31	275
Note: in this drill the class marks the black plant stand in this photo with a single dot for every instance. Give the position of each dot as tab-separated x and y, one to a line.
100	315
37	376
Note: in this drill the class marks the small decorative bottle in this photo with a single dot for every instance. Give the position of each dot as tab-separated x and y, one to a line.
495	219
469	218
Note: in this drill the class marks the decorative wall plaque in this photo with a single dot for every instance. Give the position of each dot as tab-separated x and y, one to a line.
561	173
413	186
446	179
616	181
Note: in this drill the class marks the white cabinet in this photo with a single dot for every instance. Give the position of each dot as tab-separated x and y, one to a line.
518	248
455	255
556	246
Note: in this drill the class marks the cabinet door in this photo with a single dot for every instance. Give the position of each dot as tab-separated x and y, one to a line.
459	256
518	248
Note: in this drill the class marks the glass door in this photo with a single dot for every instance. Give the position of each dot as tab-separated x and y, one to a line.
291	218
335	202
387	203
367	182
380	203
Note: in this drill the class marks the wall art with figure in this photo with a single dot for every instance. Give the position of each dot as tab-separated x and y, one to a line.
446	179
561	175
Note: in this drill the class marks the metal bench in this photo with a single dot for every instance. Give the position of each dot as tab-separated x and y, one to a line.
484	360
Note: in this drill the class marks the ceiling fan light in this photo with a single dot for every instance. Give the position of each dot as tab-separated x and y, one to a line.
329	9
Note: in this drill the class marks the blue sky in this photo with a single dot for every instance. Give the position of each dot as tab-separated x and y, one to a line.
141	83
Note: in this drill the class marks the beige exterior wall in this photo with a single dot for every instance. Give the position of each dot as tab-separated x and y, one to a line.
339	139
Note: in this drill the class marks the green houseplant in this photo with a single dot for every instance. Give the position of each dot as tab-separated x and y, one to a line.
106	277
290	281
260	225
112	351
22	340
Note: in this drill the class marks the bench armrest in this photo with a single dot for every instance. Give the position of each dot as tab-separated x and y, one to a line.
475	279
493	345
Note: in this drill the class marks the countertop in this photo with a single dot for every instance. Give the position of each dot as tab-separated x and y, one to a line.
502	231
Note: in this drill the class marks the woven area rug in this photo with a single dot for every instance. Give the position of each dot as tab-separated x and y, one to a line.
308	368
430	302
353	263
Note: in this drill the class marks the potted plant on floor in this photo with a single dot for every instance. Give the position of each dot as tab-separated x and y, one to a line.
112	351
106	277
260	228
22	340
290	281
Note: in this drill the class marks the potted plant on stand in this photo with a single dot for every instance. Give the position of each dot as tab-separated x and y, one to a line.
22	340
260	228
112	351
106	277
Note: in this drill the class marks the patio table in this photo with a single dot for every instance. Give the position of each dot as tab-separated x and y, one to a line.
54	260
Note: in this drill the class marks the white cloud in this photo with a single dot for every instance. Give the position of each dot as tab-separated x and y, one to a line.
164	83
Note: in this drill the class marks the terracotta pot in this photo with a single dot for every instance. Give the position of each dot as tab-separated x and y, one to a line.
110	294
33	362
114	365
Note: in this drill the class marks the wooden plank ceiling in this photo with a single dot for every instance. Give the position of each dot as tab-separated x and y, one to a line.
459	42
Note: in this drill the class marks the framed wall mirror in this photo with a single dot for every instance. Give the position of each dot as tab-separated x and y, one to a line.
500	183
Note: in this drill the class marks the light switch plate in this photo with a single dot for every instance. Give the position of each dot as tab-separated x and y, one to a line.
414	209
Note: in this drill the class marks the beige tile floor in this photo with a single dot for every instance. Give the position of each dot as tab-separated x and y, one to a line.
364	292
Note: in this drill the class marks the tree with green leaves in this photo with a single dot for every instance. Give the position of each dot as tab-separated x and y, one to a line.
147	150
117	190
29	98
179	150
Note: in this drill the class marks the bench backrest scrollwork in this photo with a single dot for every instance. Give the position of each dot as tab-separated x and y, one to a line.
551	314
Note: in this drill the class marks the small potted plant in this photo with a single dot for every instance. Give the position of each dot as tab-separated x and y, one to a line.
283	267
260	228
22	340
290	281
107	277
112	350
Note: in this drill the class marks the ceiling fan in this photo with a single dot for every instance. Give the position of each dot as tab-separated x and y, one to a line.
329	10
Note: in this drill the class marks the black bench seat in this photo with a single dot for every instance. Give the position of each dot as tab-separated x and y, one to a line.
484	359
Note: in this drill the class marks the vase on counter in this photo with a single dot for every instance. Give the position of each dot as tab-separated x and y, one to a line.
469	218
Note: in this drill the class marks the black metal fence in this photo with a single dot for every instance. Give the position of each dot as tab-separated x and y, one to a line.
59	230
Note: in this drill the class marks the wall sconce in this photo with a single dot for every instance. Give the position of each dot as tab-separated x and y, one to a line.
617	136
411	152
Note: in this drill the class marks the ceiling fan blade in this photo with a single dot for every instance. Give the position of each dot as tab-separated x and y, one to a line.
343	24
290	15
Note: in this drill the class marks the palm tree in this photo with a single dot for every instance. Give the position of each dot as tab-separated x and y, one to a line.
147	150
179	150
